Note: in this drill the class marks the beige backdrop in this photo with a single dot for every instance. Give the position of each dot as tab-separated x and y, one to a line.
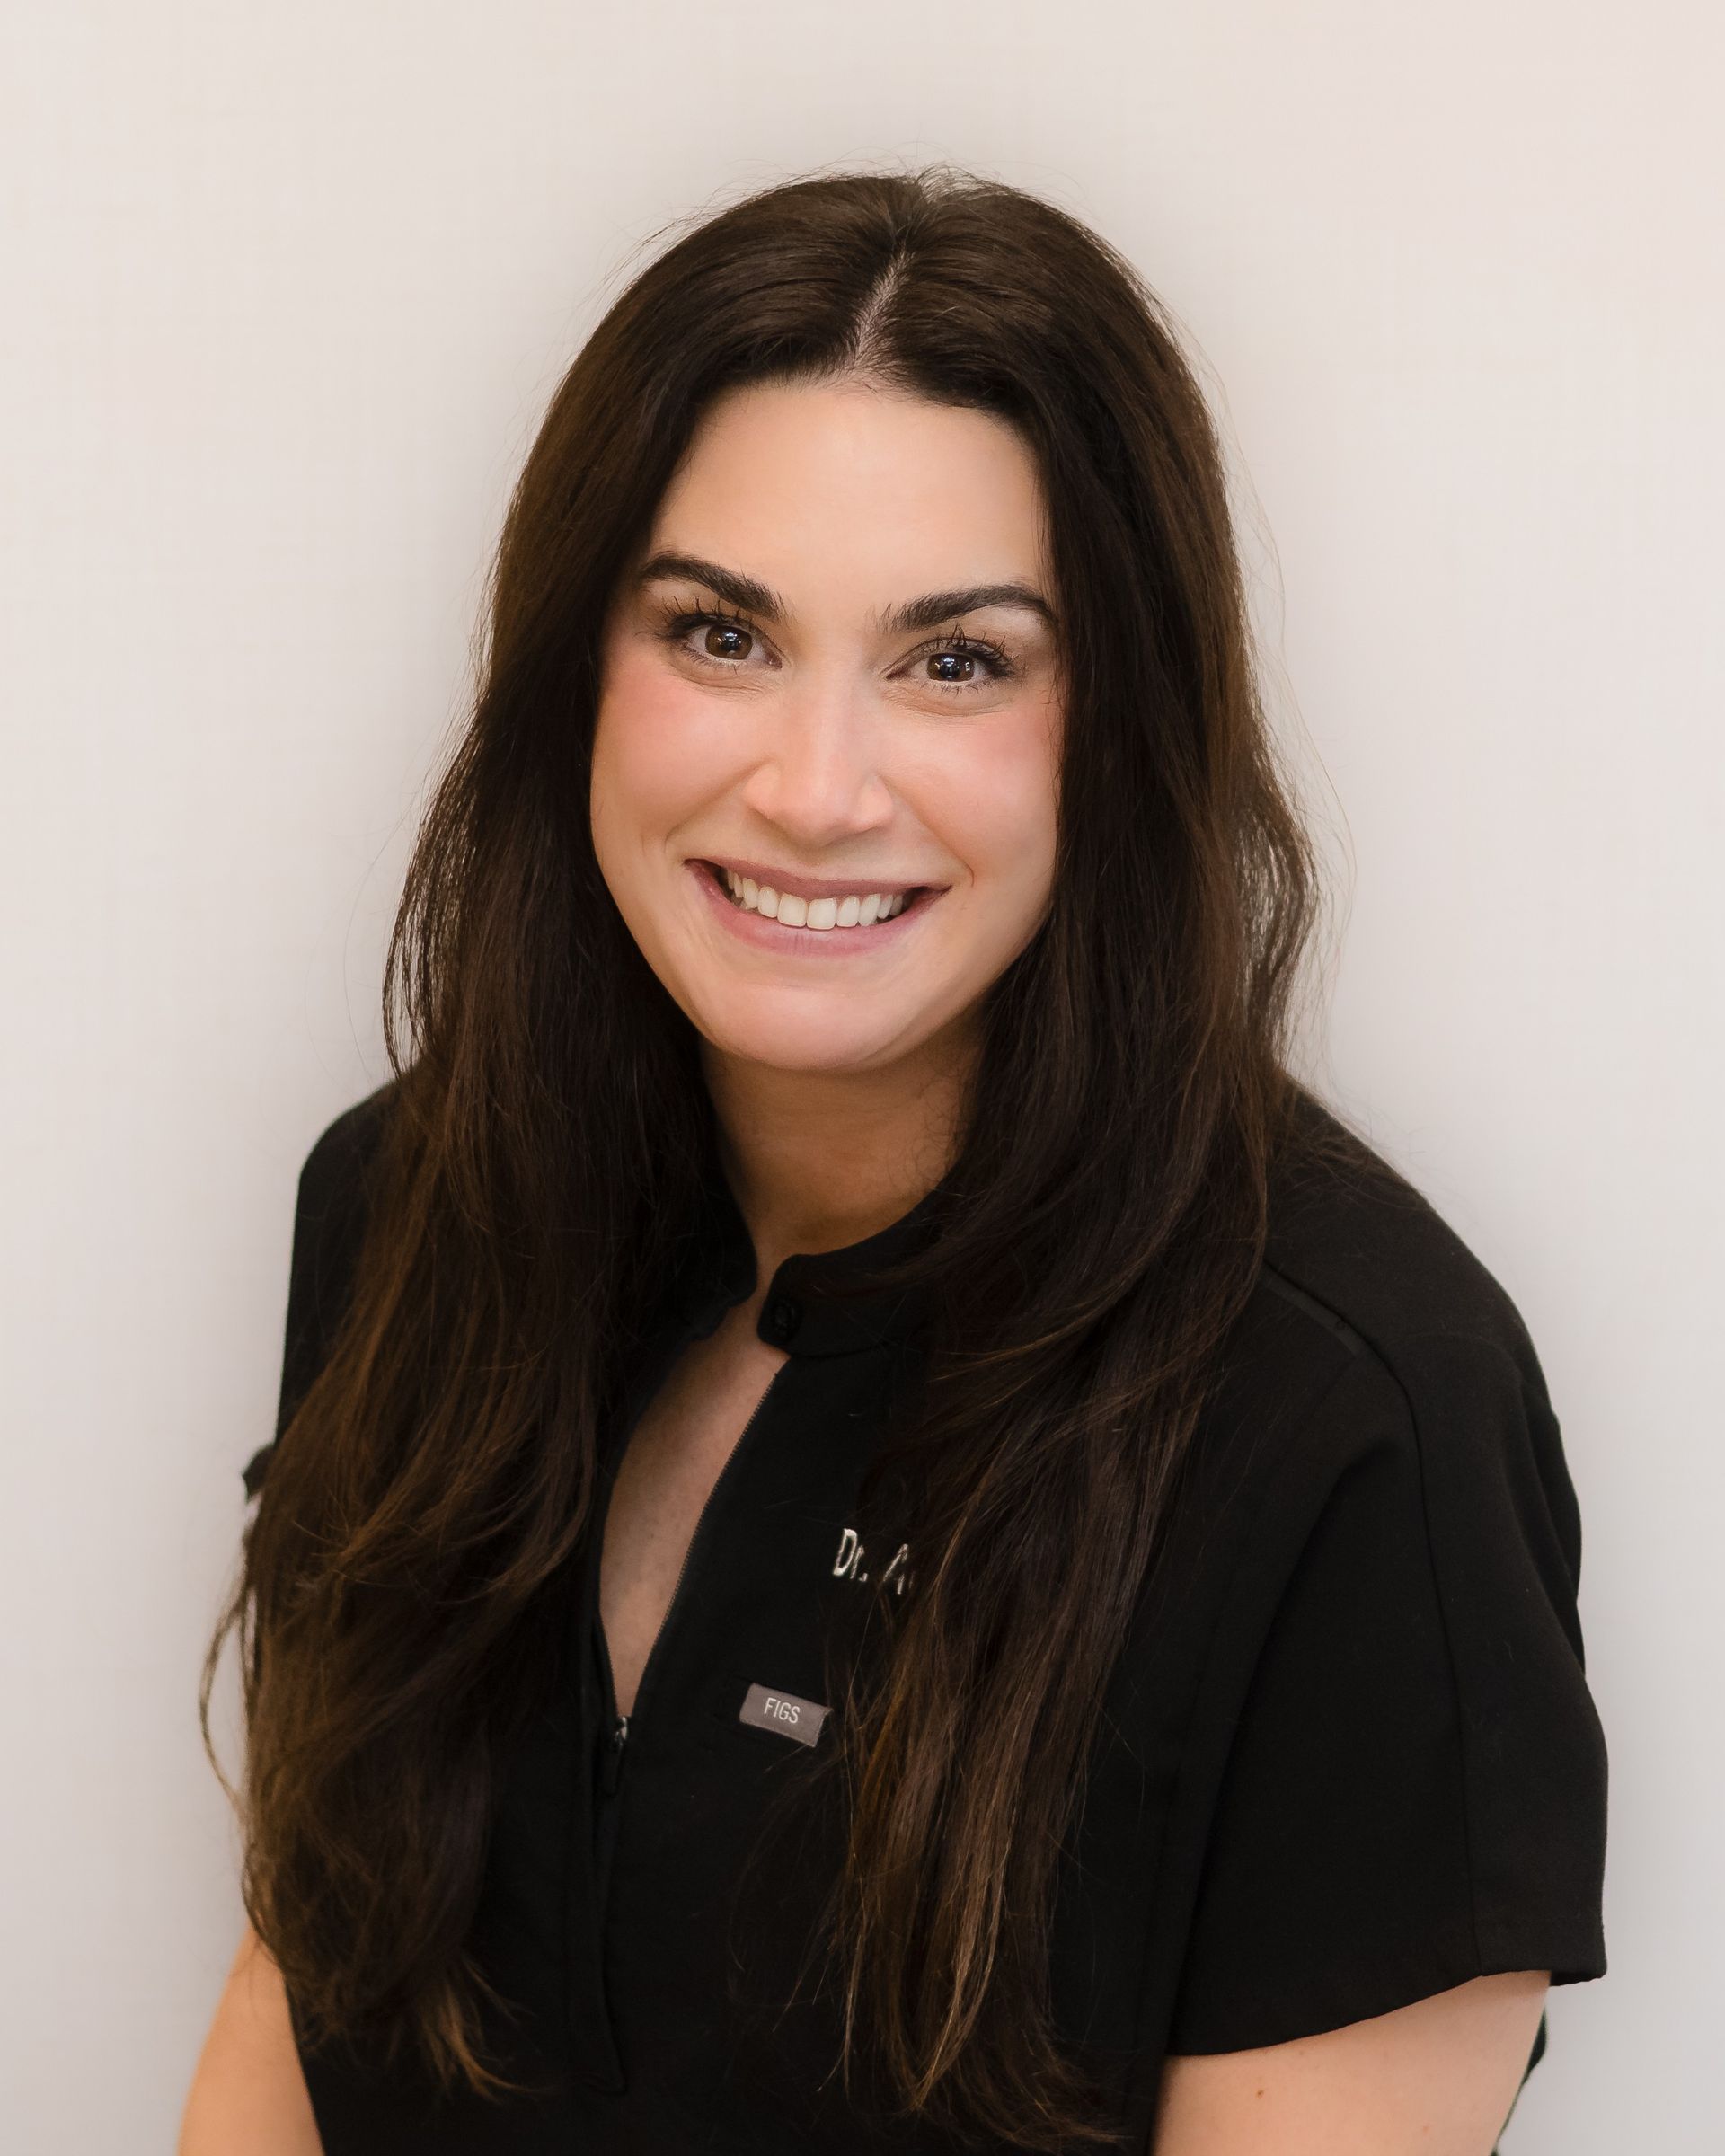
286	290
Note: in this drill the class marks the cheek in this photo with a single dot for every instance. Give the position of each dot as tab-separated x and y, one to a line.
657	755
990	793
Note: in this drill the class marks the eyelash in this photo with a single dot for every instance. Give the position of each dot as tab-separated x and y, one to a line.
677	623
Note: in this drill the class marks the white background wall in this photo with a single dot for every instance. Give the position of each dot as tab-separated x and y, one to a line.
286	289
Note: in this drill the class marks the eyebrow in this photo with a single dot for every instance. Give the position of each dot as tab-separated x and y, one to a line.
926	613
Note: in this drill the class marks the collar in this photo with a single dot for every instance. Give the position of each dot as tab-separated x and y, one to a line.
796	1312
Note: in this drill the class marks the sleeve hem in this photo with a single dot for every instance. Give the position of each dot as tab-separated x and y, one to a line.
1573	1952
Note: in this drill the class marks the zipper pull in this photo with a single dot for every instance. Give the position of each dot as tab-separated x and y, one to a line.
616	1738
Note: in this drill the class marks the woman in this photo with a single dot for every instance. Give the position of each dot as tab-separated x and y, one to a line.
881	1534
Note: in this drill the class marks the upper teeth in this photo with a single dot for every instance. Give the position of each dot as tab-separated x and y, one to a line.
849	912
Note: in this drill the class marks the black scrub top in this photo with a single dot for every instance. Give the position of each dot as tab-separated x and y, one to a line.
1349	1757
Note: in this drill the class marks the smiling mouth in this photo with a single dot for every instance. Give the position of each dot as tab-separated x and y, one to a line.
854	910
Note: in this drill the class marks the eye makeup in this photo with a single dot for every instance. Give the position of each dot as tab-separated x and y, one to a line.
674	623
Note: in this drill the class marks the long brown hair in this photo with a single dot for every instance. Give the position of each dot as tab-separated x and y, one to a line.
549	1140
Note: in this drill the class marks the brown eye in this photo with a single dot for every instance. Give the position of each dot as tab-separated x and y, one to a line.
725	640
961	666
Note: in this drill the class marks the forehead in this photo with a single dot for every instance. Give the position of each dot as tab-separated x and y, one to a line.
854	497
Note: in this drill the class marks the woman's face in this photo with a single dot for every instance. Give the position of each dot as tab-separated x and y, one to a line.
829	680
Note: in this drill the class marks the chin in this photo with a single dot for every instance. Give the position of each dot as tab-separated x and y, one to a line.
827	1039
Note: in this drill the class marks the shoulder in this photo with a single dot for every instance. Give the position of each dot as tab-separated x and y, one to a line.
338	1181
336	1172
1379	1363
332	1203
1424	1351
1399	1773
1378	1390
337	1185
1353	1243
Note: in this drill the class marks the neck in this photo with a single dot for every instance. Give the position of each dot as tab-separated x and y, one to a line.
817	1160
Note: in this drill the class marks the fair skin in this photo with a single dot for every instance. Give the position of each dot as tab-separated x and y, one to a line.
248	2095
821	734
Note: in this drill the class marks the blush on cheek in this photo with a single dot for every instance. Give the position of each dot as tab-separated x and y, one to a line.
991	797
660	751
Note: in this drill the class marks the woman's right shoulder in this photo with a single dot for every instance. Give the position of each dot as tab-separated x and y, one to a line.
331	1206
336	1173
337	1183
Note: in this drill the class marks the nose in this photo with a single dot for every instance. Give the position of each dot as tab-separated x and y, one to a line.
818	777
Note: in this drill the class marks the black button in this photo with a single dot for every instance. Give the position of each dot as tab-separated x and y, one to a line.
780	1319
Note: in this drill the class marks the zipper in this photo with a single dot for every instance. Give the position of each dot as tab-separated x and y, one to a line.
618	1725
610	1767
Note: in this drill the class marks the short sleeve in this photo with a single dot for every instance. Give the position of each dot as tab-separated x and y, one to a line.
330	1214
1414	1793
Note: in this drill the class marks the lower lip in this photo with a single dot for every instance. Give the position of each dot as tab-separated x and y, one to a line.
750	927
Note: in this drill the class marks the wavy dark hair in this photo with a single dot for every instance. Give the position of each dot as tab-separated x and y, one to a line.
550	1139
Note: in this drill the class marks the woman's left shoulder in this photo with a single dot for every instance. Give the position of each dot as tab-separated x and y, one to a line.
1403	1774
1423	1344
1349	1230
